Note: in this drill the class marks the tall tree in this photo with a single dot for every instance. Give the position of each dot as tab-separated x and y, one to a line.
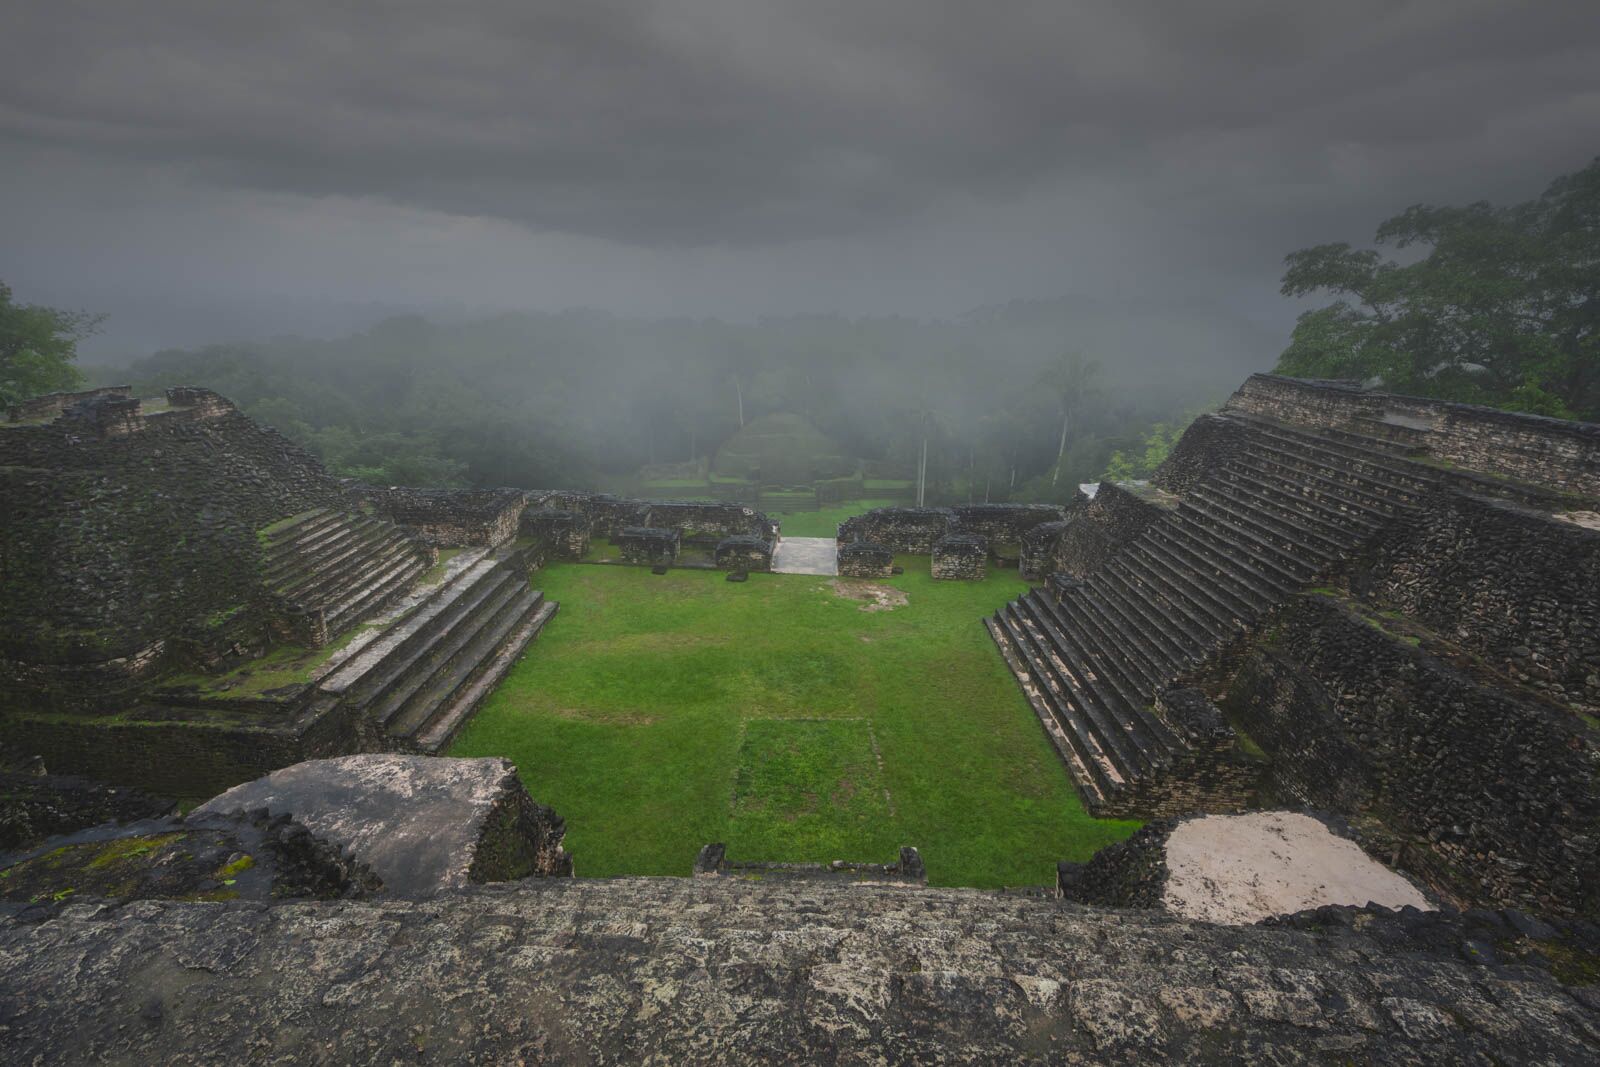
1501	309
1074	380
38	345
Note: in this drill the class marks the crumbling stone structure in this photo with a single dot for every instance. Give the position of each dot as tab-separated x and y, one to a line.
744	553
864	559
1487	789
917	530
732	535
961	557
648	545
452	518
157	556
1557	454
1095	530
129	533
1183	591
562	534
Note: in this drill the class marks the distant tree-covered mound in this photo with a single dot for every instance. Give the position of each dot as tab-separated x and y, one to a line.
781	449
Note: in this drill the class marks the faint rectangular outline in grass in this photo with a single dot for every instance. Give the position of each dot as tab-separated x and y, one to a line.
853	759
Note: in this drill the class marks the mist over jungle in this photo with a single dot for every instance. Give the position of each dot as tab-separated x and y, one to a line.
552	245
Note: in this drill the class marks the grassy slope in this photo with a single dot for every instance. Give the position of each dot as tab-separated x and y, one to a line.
629	717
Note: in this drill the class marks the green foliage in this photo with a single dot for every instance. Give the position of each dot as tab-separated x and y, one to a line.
633	717
38	345
1500	309
1140	464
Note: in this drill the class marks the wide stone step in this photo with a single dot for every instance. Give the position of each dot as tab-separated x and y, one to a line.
1084	776
380	666
1306	495
468	641
1382	464
376	595
1180	642
1243	581
1128	708
1206	631
445	724
1111	675
1113	725
1276	562
1264	532
1332	485
1070	709
458	673
1309	526
1216	599
284	567
300	525
1375	477
1144	665
319	582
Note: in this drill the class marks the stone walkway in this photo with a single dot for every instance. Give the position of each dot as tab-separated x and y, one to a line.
806	555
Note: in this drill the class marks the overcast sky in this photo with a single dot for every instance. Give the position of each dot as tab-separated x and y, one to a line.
203	171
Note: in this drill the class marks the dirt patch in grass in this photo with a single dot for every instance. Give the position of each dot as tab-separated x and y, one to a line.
874	597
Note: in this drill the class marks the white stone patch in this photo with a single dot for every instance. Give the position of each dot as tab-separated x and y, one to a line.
806	555
1240	869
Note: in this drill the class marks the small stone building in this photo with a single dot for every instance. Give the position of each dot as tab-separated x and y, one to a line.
961	556
864	559
651	546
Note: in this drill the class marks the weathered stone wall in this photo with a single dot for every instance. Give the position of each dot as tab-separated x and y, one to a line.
902	529
648	545
1556	453
36	806
570	970
960	557
50	405
1003	524
1208	443
701	521
1101	528
744	553
1516	586
1490	794
863	559
173	754
563	534
451	518
1127	874
111	547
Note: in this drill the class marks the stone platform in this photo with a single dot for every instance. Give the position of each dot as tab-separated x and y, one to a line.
724	970
806	555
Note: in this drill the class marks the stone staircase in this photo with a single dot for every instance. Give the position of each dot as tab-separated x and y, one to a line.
1274	518
324	570
419	682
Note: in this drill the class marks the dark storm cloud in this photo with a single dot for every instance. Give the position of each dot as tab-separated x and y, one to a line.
667	123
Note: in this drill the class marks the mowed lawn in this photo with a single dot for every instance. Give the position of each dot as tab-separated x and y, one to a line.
659	713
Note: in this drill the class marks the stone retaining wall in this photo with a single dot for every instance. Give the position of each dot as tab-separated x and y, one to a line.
1556	453
1516	586
112	546
451	518
960	557
863	559
648	545
1489	795
1099	529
